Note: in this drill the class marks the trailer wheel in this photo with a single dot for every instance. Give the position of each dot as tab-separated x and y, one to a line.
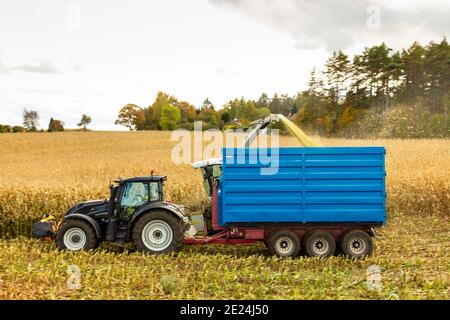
76	235
284	243
320	244
157	232
356	244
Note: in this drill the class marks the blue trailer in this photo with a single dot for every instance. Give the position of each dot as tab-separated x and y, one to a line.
310	197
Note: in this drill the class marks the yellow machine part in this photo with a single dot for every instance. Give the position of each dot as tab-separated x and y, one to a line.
302	137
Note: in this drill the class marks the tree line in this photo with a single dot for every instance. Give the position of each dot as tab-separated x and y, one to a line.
377	93
408	90
31	123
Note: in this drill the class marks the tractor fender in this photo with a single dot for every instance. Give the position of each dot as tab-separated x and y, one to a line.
88	219
152	206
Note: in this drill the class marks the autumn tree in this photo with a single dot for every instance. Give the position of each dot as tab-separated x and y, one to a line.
188	113
55	125
132	117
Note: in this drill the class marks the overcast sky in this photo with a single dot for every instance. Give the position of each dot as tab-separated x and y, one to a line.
65	58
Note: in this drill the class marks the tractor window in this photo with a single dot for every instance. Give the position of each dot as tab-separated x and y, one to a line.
210	175
154	192
136	194
206	181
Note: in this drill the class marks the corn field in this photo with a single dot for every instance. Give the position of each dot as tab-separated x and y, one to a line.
48	173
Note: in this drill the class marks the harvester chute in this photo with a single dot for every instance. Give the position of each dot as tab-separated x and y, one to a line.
262	124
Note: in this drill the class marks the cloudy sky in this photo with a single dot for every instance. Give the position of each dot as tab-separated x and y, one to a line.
65	58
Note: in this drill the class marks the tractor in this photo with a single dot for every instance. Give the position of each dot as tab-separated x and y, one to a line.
135	212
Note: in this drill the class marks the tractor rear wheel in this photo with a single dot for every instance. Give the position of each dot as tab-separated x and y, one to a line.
284	243
75	234
157	232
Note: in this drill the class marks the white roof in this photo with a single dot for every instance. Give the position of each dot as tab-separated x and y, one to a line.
207	162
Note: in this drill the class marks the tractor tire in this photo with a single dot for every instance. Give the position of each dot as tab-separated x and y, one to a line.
320	244
157	232
284	243
75	235
356	244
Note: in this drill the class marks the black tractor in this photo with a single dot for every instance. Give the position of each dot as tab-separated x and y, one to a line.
135	212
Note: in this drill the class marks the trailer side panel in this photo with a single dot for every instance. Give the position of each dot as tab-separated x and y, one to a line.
303	185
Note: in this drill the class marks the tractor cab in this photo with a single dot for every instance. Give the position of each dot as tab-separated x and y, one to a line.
130	194
211	171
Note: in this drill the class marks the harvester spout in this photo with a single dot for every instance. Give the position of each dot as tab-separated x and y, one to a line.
262	124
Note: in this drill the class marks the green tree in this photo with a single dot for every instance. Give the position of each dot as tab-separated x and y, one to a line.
413	60
207	104
337	71
170	117
154	111
208	117
262	113
5	128
374	67
85	121
437	72
225	117
263	101
275	104
17	129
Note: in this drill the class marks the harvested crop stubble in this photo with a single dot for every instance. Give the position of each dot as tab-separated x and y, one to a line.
414	265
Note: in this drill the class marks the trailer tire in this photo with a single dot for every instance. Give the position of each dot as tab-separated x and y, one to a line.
320	244
76	234
157	232
284	243
356	244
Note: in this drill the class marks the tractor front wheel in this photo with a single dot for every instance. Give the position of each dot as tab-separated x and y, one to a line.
75	235
157	232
